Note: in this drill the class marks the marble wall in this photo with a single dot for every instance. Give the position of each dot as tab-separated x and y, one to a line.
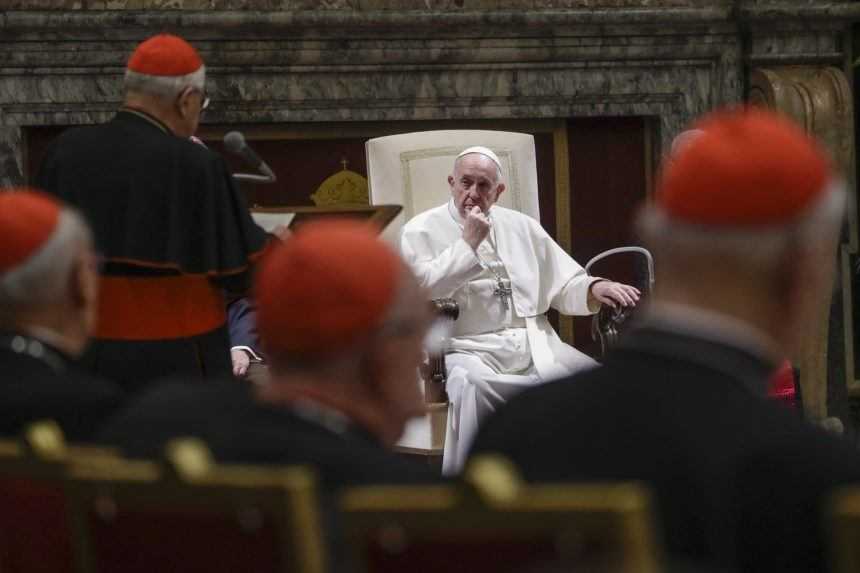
344	60
347	60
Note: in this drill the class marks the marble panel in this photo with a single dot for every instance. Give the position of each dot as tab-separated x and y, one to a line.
362	5
11	157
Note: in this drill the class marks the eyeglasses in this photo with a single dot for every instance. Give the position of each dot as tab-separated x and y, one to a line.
204	99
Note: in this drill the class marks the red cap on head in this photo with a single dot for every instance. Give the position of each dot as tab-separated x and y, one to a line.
329	283
27	220
747	167
165	55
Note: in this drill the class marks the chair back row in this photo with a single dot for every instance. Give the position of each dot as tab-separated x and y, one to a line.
89	510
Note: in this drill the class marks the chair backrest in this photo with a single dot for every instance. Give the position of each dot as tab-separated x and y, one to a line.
494	523
34	531
843	515
412	169
136	516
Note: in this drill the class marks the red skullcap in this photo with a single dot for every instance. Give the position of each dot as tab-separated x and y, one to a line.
165	55
748	167
329	284
27	220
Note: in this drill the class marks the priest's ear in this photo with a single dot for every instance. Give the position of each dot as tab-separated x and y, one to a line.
83	288
184	103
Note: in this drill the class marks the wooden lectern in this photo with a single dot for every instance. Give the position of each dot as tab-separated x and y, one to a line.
272	217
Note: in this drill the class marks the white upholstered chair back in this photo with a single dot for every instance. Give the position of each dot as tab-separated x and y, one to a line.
412	169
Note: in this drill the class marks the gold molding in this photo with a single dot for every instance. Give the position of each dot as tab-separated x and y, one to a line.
846	272
652	147
561	155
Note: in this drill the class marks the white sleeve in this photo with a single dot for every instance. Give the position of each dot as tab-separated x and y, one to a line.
444	273
571	283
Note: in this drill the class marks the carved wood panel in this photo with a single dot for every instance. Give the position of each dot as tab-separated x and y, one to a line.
820	100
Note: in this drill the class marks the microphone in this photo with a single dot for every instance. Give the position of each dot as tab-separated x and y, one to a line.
235	143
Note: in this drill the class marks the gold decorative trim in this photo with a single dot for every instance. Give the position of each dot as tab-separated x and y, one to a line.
494	501
563	193
343	188
846	273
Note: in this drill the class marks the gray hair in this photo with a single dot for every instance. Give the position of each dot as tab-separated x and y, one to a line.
43	278
167	87
759	247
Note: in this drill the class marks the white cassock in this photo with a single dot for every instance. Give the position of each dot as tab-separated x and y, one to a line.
502	342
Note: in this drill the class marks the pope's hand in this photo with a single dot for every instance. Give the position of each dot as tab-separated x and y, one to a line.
613	294
476	228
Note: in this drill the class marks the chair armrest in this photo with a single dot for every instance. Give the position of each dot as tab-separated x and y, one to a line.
434	388
446	308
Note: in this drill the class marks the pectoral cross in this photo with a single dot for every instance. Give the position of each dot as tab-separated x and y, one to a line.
503	292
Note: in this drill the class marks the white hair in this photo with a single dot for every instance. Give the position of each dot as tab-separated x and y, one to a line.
759	247
44	277
164	86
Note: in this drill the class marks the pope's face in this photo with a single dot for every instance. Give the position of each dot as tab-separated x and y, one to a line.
475	183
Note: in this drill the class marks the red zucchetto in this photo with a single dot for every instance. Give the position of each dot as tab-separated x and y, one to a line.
328	285
745	168
28	218
165	55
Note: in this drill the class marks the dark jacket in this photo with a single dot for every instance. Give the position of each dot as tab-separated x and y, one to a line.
739	481
38	382
240	429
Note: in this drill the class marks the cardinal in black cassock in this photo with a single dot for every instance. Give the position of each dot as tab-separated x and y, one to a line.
170	223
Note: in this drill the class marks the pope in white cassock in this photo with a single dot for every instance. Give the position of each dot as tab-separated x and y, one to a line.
505	272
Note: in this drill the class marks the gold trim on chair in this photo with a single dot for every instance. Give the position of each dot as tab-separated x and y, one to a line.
494	504
285	497
843	516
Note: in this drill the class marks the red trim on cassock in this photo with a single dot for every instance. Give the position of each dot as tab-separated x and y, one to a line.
155	308
253	257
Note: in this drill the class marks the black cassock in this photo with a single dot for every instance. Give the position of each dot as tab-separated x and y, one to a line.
739	482
174	233
38	382
241	429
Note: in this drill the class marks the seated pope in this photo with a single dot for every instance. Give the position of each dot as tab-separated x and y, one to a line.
505	272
